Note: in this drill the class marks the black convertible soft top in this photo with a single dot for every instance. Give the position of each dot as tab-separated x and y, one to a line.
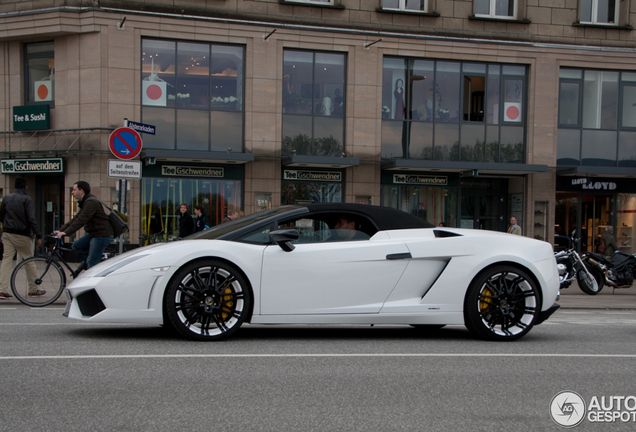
385	218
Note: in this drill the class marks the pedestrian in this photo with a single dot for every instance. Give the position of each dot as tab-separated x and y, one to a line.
514	228
17	214
93	218
186	224
231	215
203	222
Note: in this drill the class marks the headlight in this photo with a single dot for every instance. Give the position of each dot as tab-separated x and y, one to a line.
120	264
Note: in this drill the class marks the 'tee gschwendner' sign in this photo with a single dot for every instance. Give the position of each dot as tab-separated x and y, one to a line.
33	166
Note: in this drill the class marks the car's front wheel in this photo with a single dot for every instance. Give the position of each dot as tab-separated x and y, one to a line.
207	300
502	303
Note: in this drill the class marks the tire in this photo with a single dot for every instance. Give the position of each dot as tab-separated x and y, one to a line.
207	300
50	278
590	286
501	304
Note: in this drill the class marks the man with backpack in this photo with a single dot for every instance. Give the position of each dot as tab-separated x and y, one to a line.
99	232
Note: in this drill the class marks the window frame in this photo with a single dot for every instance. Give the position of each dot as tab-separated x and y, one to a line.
313	115
402	7
26	76
210	110
492	10
594	14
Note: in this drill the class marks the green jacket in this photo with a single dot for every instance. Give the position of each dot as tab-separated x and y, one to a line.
92	217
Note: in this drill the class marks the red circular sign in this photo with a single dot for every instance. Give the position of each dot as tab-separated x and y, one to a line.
125	143
512	112
153	92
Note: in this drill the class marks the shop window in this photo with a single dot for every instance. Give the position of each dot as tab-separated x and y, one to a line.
39	73
194	93
432	204
310	192
599	11
313	103
597	105
405	5
442	110
162	198
496	8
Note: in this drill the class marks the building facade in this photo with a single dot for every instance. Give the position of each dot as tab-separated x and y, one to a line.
461	112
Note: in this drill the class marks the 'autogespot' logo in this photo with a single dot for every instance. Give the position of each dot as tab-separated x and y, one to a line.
567	409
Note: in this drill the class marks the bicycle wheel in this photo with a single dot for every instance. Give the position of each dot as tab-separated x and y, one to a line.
47	279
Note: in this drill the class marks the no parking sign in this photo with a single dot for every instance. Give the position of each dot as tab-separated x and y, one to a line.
125	143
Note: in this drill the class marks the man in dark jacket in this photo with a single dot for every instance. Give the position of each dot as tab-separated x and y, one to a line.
17	214
93	218
186	224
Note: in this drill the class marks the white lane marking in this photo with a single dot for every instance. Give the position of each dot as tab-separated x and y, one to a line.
353	355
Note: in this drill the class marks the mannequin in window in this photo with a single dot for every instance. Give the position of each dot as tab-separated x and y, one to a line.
399	100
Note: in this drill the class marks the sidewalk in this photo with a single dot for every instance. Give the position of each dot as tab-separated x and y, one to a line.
608	298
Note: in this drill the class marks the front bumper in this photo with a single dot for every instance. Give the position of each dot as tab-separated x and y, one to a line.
544	315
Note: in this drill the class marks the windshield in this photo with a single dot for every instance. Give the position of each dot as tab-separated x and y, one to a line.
225	228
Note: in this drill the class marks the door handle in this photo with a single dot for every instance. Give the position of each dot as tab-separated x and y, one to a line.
397	256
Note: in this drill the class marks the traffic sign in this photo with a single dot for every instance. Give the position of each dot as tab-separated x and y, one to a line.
127	169
125	143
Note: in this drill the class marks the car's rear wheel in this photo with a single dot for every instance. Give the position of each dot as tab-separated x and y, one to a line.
502	304
207	300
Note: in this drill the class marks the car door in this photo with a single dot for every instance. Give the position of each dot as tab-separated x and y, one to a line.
326	276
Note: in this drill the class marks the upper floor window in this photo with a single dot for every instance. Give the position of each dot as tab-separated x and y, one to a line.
599	11
39	72
448	110
313	103
406	5
328	2
597	113
194	93
496	8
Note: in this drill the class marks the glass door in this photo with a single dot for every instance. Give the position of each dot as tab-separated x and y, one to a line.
597	214
48	203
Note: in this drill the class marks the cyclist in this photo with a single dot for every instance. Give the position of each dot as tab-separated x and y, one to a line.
17	215
93	218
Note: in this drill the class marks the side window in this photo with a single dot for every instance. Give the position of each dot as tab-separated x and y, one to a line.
330	228
39	73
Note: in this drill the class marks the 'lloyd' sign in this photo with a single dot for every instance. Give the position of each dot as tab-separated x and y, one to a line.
32	166
31	117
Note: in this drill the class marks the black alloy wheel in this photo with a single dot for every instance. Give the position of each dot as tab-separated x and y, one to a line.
501	304
207	300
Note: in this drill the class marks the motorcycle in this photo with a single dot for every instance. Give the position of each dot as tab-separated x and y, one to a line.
617	271
572	266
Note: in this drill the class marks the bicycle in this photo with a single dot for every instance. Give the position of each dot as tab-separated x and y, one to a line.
152	238
48	277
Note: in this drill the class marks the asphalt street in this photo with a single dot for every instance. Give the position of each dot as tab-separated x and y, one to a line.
59	374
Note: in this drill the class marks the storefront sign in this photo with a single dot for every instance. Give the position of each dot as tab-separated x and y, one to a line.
32	166
329	176
124	169
31	117
596	184
420	180
191	171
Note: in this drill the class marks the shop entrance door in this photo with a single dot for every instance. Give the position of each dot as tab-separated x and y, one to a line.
484	206
49	194
598	212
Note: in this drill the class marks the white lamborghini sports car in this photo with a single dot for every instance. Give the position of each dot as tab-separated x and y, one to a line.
297	265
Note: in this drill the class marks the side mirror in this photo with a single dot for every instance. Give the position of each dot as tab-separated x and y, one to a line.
283	238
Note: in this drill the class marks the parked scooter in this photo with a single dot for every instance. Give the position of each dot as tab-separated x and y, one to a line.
618	271
572	266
